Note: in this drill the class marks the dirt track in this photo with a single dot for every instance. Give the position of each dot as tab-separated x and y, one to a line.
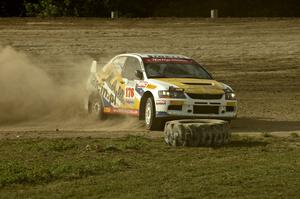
260	58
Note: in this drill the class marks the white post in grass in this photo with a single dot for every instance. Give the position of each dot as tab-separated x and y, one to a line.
114	14
214	14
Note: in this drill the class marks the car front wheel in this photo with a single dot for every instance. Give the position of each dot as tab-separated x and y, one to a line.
151	122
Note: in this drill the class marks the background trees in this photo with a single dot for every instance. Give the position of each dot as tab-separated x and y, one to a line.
153	8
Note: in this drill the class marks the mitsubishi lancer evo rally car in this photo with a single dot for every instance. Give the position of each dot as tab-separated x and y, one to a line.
157	88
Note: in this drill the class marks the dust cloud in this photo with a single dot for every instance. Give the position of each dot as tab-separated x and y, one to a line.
28	93
31	98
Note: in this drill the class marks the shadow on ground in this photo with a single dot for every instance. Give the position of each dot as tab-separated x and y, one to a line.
263	125
246	143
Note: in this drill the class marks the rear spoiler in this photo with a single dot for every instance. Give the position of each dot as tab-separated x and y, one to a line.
94	67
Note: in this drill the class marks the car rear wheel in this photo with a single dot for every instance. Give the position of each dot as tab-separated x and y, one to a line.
151	122
95	106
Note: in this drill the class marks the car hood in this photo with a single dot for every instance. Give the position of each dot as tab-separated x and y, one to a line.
191	85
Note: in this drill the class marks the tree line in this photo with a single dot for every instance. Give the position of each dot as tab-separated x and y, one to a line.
149	8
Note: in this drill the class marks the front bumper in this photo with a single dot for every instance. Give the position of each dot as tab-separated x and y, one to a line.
192	108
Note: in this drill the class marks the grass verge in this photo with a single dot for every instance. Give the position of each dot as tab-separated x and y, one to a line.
137	167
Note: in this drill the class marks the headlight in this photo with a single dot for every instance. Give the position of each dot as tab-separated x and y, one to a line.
230	96
229	93
171	93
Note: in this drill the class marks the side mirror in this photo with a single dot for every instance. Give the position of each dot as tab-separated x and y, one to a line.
139	74
94	67
124	81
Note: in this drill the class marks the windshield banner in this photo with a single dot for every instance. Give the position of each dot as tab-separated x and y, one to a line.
167	60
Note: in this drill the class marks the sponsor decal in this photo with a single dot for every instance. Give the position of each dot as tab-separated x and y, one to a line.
167	60
161	102
141	84
129	92
112	110
106	103
151	86
139	90
111	90
129	101
109	96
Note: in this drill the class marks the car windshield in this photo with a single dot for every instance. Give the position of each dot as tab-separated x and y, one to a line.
184	69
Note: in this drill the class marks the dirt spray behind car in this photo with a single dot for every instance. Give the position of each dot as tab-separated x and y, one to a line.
31	96
28	92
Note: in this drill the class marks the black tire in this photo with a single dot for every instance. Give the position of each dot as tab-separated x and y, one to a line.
151	122
95	106
197	132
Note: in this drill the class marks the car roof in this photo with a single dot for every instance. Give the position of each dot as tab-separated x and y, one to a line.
158	55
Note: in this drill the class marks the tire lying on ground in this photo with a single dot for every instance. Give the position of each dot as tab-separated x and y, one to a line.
197	132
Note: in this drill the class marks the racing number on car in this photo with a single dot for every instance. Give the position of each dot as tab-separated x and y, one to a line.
130	92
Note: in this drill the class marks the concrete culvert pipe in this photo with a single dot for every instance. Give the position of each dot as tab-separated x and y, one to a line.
197	132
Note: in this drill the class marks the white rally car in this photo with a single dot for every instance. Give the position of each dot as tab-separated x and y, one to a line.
157	88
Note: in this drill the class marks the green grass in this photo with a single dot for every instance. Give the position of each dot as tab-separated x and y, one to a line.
137	167
266	134
294	135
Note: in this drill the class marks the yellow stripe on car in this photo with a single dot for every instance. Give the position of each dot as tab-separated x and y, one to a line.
231	104
151	86
191	85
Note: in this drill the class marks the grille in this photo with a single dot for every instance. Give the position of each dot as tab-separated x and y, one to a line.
206	110
175	108
204	96
229	108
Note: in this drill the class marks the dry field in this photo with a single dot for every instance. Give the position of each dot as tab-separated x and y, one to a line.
48	63
44	64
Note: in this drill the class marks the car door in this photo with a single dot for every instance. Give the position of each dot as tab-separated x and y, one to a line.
112	89
131	97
